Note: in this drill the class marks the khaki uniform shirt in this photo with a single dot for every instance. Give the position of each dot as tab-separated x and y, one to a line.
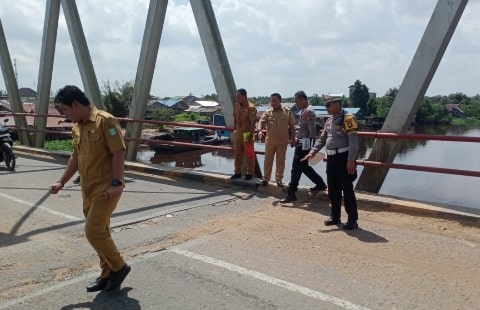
94	142
244	118
277	123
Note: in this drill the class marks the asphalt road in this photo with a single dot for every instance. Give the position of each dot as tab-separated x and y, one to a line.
195	245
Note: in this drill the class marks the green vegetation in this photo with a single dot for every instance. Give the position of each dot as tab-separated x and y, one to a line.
433	110
59	145
465	121
188	117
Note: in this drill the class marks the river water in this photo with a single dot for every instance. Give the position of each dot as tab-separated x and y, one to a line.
449	190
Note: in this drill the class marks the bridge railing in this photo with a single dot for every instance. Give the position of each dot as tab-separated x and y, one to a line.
363	162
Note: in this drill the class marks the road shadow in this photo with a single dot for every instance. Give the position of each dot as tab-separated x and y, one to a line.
318	203
359	233
8	239
118	300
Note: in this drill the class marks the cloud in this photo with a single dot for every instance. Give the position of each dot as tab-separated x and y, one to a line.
272	45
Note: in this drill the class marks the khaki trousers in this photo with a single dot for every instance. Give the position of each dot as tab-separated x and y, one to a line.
97	211
271	151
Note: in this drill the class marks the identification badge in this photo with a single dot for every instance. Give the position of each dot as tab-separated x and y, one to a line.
112	131
306	145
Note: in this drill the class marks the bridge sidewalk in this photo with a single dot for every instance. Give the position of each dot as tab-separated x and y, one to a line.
366	201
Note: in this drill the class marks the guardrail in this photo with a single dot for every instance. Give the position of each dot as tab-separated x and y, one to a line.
363	162
146	141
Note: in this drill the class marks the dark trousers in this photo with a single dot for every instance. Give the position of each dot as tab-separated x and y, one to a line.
339	181
299	167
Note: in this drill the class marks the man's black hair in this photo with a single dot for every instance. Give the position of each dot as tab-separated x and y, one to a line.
276	95
242	91
301	94
70	93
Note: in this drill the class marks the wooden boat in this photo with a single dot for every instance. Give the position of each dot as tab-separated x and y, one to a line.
185	135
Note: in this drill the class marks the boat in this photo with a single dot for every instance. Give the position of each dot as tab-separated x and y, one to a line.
222	135
186	135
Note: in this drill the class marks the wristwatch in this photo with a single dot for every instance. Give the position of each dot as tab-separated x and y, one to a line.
116	182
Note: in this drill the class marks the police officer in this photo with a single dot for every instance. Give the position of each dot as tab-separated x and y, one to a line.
304	141
98	154
280	131
244	117
340	138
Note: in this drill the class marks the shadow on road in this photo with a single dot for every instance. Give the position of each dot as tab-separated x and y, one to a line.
106	301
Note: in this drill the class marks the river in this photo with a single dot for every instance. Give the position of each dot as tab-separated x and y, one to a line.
445	189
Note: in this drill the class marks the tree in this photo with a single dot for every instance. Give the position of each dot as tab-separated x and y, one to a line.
432	113
385	103
359	96
118	98
212	97
314	99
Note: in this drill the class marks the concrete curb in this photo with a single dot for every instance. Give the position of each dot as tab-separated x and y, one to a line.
366	201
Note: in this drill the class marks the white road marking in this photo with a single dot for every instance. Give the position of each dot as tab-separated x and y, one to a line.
206	259
34	205
270	280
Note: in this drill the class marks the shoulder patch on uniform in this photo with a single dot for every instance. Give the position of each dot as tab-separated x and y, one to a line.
308	115
112	131
349	123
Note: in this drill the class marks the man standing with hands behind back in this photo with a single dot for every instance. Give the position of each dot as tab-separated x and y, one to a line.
280	132
98	154
244	118
340	138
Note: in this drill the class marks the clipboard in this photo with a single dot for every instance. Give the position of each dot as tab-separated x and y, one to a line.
317	158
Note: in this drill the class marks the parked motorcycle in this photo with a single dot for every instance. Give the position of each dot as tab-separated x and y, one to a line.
6	145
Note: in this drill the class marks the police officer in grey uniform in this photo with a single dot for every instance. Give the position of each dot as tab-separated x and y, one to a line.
304	141
339	136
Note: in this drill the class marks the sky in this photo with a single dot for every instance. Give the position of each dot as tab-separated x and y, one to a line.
280	46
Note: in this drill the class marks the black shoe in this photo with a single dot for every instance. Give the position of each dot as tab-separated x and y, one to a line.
236	176
98	285
264	183
76	181
248	177
116	278
288	199
280	184
331	221
318	188
350	225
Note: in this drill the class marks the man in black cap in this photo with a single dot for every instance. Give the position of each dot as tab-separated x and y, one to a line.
304	141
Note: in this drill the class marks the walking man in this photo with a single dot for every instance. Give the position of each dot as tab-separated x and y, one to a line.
340	138
280	131
244	118
98	154
304	141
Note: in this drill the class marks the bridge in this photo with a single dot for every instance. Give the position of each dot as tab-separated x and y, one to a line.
429	53
196	241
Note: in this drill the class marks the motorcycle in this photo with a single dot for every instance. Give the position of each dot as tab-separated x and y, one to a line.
6	145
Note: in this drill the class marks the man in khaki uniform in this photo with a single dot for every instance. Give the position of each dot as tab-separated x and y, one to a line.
98	154
280	131
244	117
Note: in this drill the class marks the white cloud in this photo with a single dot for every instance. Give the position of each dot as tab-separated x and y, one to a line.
272	45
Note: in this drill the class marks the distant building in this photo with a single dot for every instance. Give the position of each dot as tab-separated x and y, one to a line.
204	107
53	123
27	94
455	110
